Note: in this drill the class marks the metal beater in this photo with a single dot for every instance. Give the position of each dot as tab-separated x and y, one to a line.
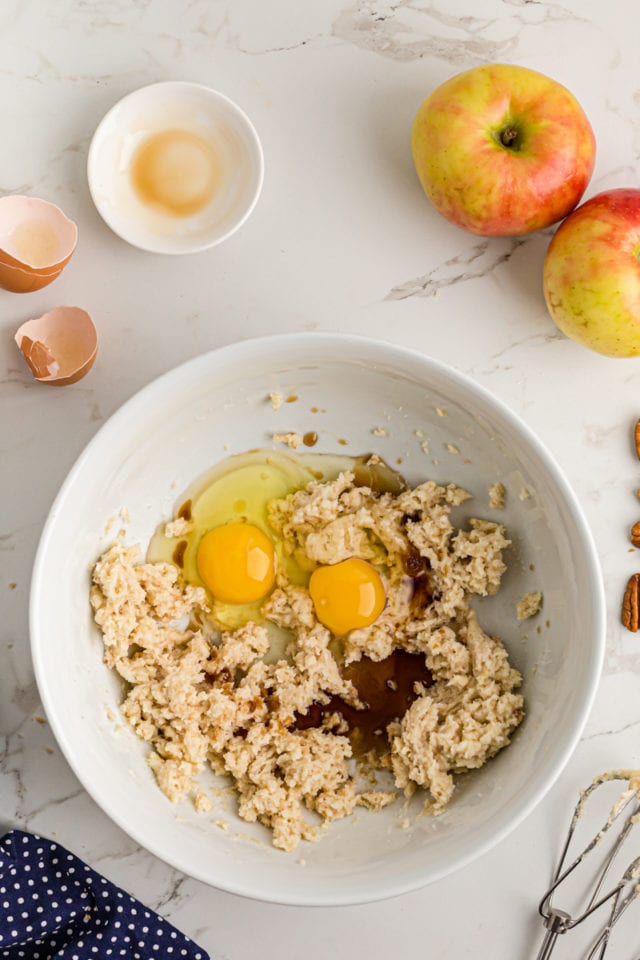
622	894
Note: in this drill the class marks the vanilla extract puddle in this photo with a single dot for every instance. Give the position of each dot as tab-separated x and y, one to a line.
387	688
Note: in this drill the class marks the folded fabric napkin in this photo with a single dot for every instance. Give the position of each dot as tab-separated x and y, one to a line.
52	905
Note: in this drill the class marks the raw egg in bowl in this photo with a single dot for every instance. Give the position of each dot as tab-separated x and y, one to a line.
175	167
170	444
222	540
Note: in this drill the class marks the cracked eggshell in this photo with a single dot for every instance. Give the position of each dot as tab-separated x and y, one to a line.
37	241
60	346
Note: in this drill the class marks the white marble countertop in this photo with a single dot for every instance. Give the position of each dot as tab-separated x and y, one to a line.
342	240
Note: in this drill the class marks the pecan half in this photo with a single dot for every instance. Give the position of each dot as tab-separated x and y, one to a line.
636	436
631	604
634	536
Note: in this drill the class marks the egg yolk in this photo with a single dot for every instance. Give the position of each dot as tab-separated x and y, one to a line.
347	595
237	563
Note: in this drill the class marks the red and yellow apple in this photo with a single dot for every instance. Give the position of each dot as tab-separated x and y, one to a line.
592	274
502	150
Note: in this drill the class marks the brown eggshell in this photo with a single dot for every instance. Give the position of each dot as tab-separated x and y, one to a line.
36	242
24	281
60	346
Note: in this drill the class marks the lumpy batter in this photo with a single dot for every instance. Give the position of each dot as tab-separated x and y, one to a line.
286	730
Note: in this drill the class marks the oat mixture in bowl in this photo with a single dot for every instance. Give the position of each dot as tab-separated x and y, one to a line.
305	620
442	427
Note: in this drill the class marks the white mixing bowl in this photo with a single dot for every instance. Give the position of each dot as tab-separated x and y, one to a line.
197	414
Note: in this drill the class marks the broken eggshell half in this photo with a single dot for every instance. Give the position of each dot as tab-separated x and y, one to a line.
60	346
37	241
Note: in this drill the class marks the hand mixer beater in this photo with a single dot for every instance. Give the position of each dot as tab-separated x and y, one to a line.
623	816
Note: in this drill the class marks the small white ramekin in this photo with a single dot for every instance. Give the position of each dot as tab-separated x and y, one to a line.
185	106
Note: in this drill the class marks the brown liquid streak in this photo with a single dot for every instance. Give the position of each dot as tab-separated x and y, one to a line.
185	511
178	553
386	687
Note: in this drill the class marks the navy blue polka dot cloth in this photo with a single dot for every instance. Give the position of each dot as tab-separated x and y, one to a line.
52	905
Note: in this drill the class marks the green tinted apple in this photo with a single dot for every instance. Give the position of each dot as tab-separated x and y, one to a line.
592	274
502	150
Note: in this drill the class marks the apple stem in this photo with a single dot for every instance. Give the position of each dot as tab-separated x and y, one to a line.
508	135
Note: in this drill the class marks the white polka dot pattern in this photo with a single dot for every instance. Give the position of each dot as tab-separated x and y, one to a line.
52	905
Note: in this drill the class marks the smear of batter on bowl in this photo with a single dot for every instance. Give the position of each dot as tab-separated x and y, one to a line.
291	439
497	495
529	606
414	686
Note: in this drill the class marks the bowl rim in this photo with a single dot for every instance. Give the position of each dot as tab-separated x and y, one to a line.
232	107
387	351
